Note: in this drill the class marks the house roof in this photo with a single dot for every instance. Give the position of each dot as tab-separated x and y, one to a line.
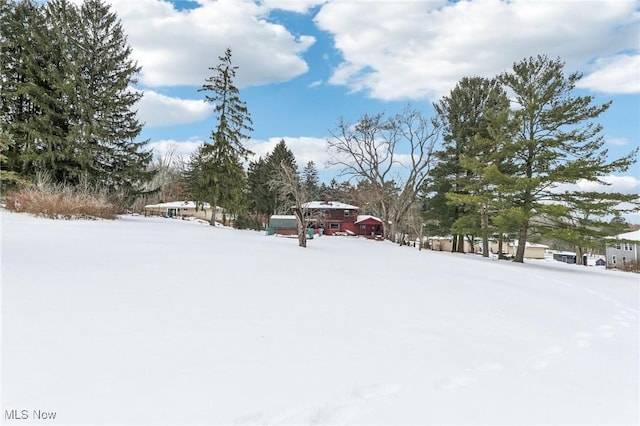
177	205
283	216
329	205
363	217
632	236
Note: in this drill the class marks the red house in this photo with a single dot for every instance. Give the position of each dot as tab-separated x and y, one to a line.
336	218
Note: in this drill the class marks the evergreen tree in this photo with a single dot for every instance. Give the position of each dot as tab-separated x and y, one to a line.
261	197
280	155
310	180
234	120
480	103
582	220
556	141
218	175
108	124
463	114
18	22
66	98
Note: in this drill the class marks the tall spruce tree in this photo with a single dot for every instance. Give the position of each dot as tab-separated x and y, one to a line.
66	98
219	164
310	180
556	141
18	108
280	155
108	126
260	195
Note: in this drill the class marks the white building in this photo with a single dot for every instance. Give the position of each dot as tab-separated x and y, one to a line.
622	252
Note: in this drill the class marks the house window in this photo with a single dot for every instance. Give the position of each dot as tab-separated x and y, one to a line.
363	227
624	260
346	213
627	246
618	245
613	259
334	226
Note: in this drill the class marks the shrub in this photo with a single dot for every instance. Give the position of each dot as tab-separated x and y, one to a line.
246	222
57	201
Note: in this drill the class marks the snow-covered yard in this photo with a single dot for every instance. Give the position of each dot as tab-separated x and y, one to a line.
160	321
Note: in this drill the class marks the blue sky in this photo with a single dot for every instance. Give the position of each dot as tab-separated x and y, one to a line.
303	64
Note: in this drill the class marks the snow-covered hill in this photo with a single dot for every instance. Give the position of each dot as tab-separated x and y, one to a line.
160	321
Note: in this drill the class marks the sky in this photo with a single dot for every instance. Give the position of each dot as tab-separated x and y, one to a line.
305	64
153	321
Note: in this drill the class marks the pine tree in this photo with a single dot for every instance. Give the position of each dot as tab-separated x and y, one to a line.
234	120
310	180
219	175
261	199
66	100
18	21
463	114
556	140
280	155
581	219
479	104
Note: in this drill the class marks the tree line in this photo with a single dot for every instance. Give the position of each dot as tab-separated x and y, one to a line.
489	164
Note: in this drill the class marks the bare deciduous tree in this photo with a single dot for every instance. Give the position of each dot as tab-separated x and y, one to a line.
391	155
288	185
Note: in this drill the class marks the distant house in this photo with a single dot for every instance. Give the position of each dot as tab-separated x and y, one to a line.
329	218
531	250
509	248
337	218
446	244
182	209
369	226
621	251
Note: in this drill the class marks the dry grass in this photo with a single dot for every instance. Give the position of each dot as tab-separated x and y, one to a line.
61	202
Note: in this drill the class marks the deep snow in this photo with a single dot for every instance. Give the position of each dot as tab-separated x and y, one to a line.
163	321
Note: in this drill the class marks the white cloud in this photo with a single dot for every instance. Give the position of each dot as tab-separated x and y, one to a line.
304	149
623	184
417	50
618	141
614	74
300	6
155	110
178	47
173	150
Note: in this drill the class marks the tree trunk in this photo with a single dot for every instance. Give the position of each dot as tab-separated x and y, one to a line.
485	233
460	248
302	229
212	222
522	242
500	251
579	255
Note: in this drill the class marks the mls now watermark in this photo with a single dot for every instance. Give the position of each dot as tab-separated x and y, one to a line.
29	414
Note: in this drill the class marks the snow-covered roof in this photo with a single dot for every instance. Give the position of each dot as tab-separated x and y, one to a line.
282	216
328	205
631	236
363	217
177	205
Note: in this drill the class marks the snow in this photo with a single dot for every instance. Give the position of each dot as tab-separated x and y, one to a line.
632	236
329	205
178	204
159	321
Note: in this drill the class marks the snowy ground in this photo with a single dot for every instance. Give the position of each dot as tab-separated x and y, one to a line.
161	321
